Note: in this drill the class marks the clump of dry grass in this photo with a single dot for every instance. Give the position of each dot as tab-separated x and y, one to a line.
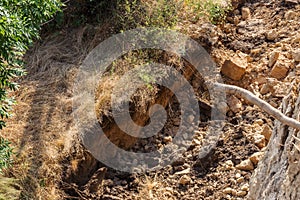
154	188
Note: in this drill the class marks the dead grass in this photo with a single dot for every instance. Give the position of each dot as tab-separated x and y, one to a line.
154	188
42	128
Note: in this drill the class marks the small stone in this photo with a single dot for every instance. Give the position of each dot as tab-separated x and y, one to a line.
273	57
292	1
245	187
290	15
185	171
266	88
234	69
191	118
168	139
255	52
259	140
245	165
229	163
223	107
238	175
259	122
296	39
240	180
279	71
255	158
234	104
272	35
296	56
236	20
184	180
241	193
267	132
246	13
227	190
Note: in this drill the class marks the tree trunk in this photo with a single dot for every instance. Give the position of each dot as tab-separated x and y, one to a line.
278	173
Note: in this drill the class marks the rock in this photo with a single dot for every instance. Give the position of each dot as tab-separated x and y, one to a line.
296	56
241	193
255	52
259	140
184	180
272	35
185	171
234	104
228	165
246	13
168	139
236	20
243	56
273	58
228	190
279	71
255	158
246	165
292	1
238	175
191	118
223	107
234	69
266	88
245	187
267	132
259	122
240	180
290	15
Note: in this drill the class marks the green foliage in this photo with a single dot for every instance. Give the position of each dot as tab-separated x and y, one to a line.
147	13
20	23
214	10
5	154
79	12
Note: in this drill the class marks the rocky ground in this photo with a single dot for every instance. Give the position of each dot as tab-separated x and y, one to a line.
257	48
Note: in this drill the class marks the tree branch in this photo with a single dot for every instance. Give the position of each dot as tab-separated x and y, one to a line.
230	89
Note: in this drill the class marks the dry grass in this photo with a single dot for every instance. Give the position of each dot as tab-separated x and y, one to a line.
154	188
42	128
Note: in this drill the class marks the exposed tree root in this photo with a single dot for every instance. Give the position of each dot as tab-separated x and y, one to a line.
250	97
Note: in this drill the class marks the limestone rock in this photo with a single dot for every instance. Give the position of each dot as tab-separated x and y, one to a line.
246	165
255	158
185	171
241	193
246	13
273	58
184	180
233	68
168	139
292	1
228	190
272	35
267	132
279	71
234	104
223	107
259	140
296	56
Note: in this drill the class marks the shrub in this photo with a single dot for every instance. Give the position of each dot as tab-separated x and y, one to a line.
5	154
20	23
